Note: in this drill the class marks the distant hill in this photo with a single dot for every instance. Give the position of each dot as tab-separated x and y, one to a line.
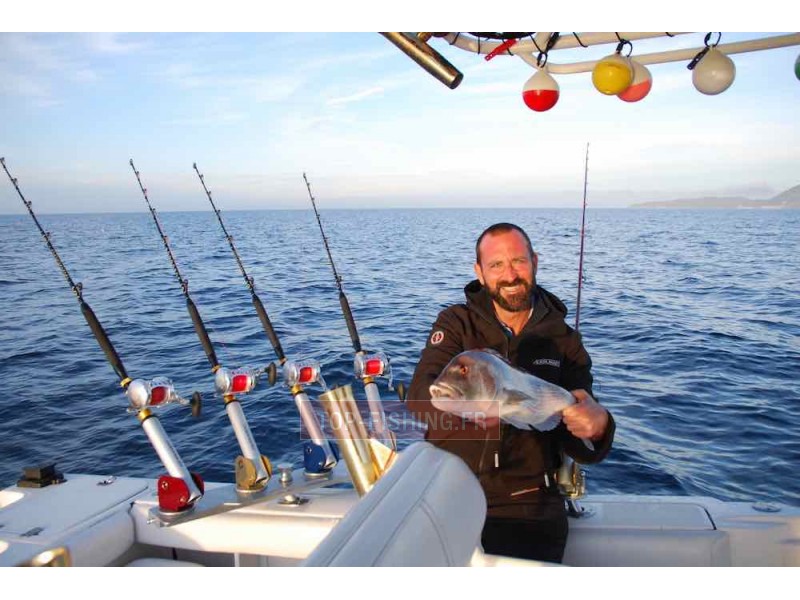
788	199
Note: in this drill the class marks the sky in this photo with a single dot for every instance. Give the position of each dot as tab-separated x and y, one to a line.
368	126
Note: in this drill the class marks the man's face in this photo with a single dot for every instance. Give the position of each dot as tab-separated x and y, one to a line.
507	270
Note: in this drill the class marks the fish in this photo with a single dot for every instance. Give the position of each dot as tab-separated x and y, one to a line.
480	383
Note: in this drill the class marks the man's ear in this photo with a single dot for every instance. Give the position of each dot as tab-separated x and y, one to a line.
479	272
535	263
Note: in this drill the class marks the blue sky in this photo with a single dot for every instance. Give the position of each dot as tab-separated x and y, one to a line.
256	110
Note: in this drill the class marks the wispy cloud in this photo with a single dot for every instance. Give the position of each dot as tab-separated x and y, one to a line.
492	89
357	97
265	88
211	118
114	43
21	85
347	58
184	75
33	66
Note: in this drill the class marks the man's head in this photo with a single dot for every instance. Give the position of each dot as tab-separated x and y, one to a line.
505	264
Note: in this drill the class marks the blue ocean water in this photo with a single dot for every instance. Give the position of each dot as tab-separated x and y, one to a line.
692	319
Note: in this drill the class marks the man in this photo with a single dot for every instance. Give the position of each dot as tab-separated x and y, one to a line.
508	312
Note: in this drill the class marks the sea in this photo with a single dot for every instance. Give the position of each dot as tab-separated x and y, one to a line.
691	317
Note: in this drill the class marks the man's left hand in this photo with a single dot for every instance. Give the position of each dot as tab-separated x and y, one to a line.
585	419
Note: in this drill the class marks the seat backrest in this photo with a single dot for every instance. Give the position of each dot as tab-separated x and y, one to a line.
428	510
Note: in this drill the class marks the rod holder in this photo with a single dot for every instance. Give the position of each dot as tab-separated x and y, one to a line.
169	456
367	459
426	57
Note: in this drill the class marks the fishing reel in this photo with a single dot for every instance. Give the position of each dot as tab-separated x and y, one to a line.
156	392
303	372
242	381
373	365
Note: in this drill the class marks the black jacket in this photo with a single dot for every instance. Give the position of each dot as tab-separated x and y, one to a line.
515	467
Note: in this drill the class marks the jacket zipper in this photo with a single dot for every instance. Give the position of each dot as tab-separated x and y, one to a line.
483	453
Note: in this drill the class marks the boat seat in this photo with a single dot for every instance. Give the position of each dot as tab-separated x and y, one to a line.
161	562
649	532
654	548
427	510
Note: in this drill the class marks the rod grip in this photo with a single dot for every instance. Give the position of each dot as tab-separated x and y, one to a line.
105	343
201	332
351	324
273	337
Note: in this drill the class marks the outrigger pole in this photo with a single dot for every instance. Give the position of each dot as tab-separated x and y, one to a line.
181	489
583	231
571	480
253	470
366	366
320	457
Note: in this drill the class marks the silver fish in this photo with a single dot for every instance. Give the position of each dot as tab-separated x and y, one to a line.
480	383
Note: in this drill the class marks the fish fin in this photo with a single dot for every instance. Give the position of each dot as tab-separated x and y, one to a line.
549	423
518	423
524	413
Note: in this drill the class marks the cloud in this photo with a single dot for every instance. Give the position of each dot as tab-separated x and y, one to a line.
267	88
184	75
211	118
112	43
492	89
357	97
33	66
339	59
84	76
12	83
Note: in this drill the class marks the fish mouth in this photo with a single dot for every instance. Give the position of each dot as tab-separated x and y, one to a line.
443	390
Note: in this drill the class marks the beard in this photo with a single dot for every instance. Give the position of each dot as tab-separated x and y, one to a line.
517	302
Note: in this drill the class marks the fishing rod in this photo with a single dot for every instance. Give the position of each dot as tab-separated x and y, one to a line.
253	470
366	366
583	230
571	479
321	456
181	489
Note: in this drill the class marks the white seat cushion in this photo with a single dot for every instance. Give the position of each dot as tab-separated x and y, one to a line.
161	562
428	510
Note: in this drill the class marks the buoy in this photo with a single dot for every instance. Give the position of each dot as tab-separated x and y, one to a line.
714	73
540	92
612	74
641	85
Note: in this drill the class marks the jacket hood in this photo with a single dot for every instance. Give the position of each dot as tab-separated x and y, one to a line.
478	299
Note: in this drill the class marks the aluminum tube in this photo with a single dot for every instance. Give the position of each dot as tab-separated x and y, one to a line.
169	456
469	43
244	436
377	416
686	54
311	422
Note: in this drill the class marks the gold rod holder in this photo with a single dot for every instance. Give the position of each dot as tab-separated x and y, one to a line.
54	557
367	459
426	57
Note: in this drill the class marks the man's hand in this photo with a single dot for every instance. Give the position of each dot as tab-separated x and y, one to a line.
585	419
